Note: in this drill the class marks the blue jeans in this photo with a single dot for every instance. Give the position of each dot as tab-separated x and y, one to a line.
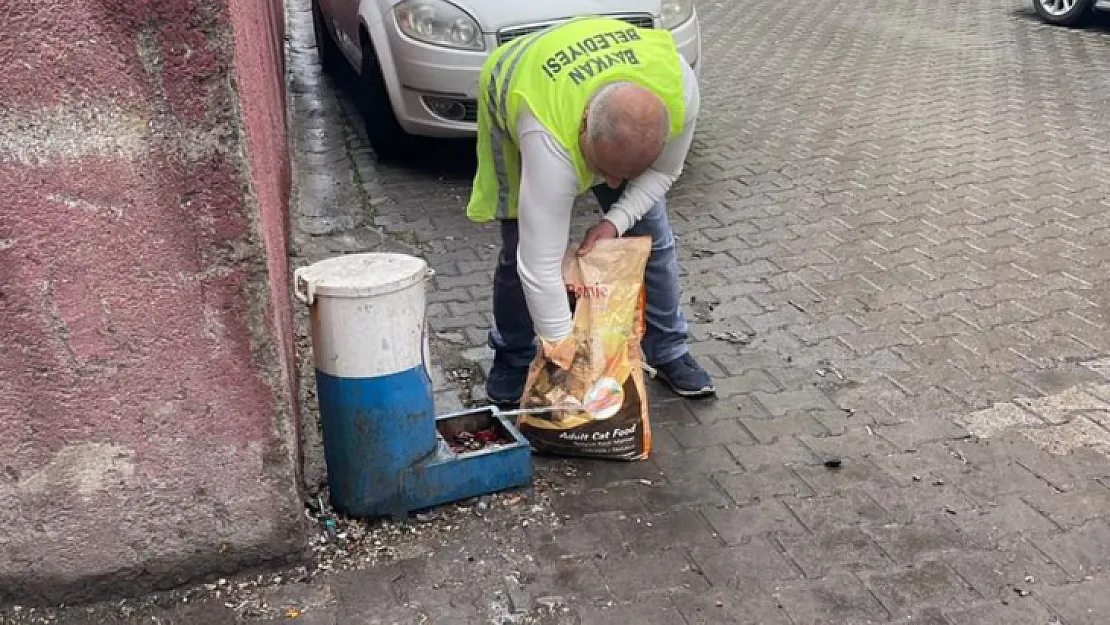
513	336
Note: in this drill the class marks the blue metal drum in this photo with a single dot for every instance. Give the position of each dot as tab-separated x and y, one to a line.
375	394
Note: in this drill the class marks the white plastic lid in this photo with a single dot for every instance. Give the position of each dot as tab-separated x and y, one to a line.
359	275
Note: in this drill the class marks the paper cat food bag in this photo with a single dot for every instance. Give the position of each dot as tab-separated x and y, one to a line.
594	404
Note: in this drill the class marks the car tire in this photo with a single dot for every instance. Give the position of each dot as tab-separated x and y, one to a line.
326	48
389	140
1054	11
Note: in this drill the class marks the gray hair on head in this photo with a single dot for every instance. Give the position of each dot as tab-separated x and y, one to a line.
607	120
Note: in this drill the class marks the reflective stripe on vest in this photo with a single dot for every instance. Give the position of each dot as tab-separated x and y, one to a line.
499	113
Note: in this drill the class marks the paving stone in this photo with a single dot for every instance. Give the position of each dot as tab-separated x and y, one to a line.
906	544
753	486
787	451
932	584
1064	473
838	548
1081	433
736	524
1062	376
581	582
834	326
837	422
316	602
682	492
999	417
771	430
882	391
837	599
926	464
357	591
1084	603
755	563
994	468
984	390
662	402
845	509
750	381
600	474
866	342
1062	407
1081	551
650	611
739	406
721	432
578	504
650	574
663	442
591	537
1101	418
929	616
703	461
441	606
799	376
1012	564
1010	516
208	610
674	413
667	531
1022	612
923	430
922	500
785	402
850	474
728	607
857	442
1076	507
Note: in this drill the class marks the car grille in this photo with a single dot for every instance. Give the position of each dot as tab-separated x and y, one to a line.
505	35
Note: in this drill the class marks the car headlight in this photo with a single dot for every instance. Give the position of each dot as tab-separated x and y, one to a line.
440	23
675	13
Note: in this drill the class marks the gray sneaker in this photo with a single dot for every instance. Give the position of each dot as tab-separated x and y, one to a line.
685	377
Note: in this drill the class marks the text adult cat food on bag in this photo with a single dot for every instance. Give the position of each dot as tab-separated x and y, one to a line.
592	402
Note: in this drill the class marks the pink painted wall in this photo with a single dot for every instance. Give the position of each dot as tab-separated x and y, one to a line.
260	66
146	357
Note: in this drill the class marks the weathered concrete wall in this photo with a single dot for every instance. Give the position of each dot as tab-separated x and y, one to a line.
146	421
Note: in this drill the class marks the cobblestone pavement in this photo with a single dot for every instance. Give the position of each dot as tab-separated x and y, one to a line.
903	208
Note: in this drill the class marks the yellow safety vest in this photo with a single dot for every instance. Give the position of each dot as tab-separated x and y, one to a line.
556	71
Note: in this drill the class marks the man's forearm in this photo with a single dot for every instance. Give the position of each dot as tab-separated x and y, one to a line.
638	198
547	191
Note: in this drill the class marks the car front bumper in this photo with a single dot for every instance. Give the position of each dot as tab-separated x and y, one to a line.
437	87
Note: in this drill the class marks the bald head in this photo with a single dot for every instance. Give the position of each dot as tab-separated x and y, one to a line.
626	128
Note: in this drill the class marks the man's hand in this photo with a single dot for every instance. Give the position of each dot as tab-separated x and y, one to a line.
560	352
603	230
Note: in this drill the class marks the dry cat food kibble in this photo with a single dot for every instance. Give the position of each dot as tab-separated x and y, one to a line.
602	407
474	441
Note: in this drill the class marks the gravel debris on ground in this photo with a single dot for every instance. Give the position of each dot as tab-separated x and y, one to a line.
338	543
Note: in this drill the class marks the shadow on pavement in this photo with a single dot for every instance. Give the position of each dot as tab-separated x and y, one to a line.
452	159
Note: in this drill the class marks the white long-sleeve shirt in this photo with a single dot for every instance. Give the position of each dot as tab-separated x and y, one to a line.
548	188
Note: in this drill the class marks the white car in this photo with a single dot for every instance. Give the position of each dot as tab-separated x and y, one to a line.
1069	12
419	59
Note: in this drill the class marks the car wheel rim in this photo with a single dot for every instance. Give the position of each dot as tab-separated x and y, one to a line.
1057	7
